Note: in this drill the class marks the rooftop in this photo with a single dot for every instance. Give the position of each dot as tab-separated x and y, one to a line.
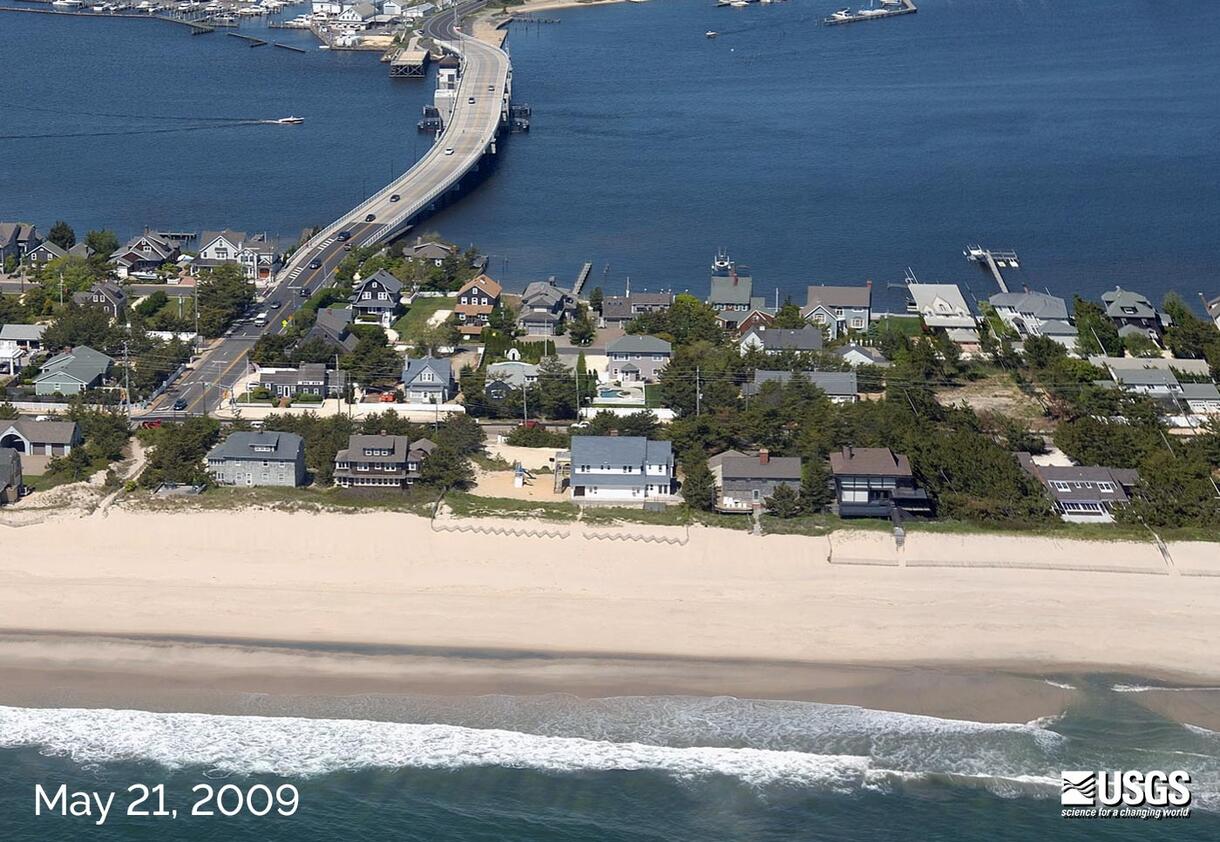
869	461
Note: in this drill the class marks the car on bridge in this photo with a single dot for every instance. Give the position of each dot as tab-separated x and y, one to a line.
370	217
470	101
344	236
448	150
394	197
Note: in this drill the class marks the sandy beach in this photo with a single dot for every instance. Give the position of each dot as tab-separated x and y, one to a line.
163	606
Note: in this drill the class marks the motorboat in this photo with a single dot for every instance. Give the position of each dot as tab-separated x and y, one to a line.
711	33
289	121
842	14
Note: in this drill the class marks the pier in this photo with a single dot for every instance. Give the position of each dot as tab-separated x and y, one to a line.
889	9
993	261
254	42
409	62
581	278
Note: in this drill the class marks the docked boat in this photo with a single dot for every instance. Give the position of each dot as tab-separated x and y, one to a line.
67	5
842	14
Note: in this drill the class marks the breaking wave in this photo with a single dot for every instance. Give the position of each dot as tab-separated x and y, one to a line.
843	749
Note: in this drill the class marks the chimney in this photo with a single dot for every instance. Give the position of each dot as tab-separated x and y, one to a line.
764	456
869	283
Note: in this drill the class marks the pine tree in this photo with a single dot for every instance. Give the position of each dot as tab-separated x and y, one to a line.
784	502
699	488
62	235
815	485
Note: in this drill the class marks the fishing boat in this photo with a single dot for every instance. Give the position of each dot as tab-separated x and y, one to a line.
291	120
711	33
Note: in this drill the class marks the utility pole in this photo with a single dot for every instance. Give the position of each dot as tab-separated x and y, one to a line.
126	382
698	393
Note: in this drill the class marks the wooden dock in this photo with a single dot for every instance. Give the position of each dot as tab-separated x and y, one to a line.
581	278
254	42
889	9
993	261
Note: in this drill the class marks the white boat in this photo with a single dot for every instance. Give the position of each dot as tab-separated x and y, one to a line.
739	4
67	4
711	33
842	14
289	121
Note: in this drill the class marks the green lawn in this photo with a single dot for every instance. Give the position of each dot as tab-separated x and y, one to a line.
909	325
463	504
412	324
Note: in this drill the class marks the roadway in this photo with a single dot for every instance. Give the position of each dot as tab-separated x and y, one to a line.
467	136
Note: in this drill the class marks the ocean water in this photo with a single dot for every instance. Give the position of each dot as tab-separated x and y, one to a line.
561	768
1079	133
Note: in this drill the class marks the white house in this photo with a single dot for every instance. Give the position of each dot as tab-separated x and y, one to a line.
256	254
621	469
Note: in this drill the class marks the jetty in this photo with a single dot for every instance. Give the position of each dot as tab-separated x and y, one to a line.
889	9
254	42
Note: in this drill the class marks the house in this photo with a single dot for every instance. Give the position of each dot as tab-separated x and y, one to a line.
617	310
1201	398
310	379
503	377
621	469
358	13
25	337
752	320
731	293
475	301
333	325
257	254
776	340
1132	312
1083	494
430	251
72	372
377	298
1158	383
858	355
46	251
392	8
544	306
17	239
942	305
11	480
380	461
839	386
40	438
428	380
637	359
1036	314
104	294
12	358
143	254
263	457
875	482
744	482
838	308
1212	307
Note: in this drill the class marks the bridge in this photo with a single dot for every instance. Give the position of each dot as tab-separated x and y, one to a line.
480	110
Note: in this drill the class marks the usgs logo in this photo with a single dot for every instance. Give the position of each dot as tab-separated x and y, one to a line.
1130	789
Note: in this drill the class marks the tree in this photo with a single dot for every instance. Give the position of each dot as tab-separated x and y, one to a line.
460	433
1041	351
1139	345
789	317
62	235
75	466
1174	492
690	320
373	362
1097	334
271	349
223	294
783	502
581	329
8	412
699	487
596	296
315	349
816	491
554	395
102	243
151	304
68	274
1189	336
446	468
178	451
80	326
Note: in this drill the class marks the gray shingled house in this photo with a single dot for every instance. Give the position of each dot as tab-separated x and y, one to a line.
621	469
258	458
875	482
745	482
72	372
380	461
635	359
1083	494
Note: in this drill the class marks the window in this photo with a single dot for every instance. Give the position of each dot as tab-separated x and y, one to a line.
1061	486
1107	487
857	323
